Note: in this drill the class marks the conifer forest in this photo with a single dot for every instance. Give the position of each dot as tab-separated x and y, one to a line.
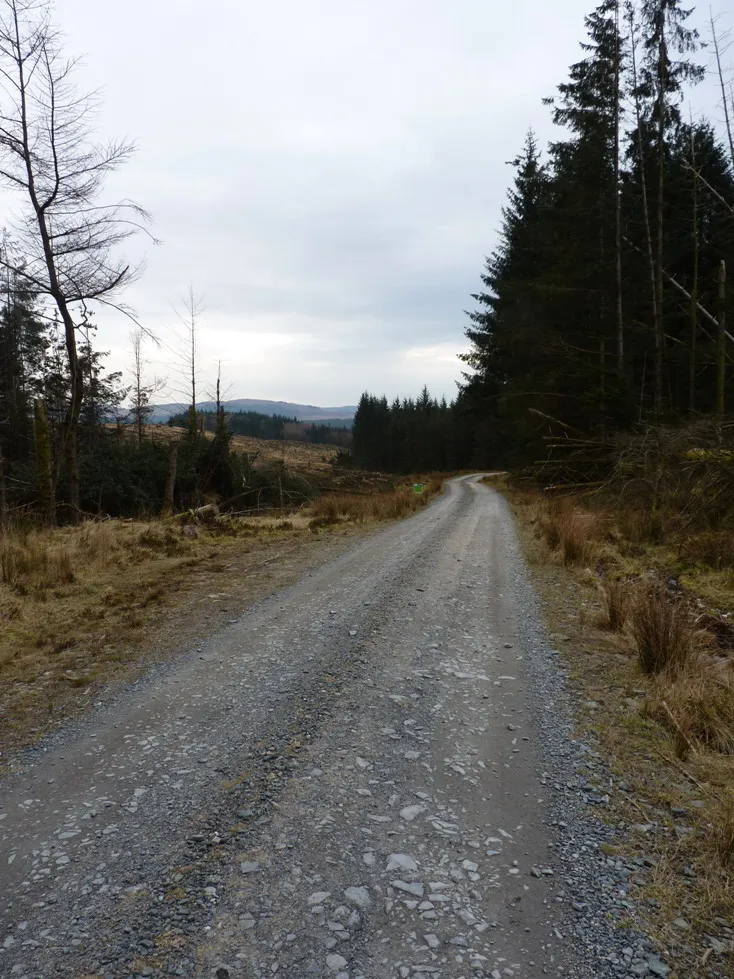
604	306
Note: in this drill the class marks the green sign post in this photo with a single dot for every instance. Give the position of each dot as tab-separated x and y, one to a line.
418	488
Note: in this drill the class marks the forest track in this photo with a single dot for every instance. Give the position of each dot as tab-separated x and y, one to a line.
369	774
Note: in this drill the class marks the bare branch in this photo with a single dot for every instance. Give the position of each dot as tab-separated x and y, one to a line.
132	316
722	84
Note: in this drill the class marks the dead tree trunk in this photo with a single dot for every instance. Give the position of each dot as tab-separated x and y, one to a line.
721	345
645	206
170	483
44	469
618	206
3	496
694	289
659	325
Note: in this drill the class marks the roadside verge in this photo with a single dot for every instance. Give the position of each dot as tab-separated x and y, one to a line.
668	801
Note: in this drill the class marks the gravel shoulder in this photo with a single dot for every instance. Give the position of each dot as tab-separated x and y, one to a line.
368	774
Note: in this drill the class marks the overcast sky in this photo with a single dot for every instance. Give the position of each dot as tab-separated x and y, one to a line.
327	174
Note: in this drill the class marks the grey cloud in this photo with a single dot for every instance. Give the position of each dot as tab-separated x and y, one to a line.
328	175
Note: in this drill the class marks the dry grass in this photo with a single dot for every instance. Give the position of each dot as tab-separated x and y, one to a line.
723	833
78	604
28	563
571	534
664	635
265	452
334	508
617	594
700	704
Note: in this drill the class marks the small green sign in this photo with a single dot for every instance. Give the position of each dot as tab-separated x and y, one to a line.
418	487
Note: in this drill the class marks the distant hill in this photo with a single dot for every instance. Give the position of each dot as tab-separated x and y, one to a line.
304	413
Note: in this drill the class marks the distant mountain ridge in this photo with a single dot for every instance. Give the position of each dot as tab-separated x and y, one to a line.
304	413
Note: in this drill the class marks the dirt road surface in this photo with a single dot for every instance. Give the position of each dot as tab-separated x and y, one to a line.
368	775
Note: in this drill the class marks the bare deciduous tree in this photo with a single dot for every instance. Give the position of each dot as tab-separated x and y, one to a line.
188	358
66	232
141	391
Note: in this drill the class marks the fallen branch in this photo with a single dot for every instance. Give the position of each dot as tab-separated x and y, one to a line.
684	772
674	282
556	421
566	486
713	190
256	567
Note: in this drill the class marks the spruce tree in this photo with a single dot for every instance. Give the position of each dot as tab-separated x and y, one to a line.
507	343
583	276
662	78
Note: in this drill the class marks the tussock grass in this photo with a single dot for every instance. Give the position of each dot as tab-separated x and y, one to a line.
664	635
573	535
161	539
700	705
723	833
641	524
617	597
98	542
34	563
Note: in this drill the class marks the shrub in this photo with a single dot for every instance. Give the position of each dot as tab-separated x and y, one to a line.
675	478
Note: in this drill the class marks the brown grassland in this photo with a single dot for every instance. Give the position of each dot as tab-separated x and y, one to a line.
642	618
296	455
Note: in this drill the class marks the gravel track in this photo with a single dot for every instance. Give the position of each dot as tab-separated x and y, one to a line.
368	775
